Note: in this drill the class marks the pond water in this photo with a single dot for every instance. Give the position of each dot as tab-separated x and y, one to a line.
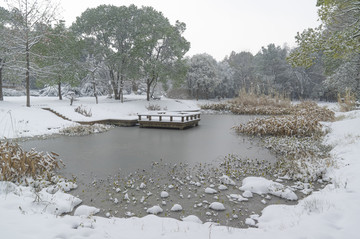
129	149
109	168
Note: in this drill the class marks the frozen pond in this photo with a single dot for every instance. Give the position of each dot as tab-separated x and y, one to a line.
129	149
111	167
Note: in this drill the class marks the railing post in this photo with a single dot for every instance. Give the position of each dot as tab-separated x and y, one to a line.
139	117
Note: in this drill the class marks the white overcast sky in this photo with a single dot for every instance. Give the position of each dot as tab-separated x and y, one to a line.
218	27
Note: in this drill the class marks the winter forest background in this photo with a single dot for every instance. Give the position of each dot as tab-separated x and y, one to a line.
113	51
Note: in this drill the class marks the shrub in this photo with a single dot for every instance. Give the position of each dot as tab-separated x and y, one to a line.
79	130
16	164
153	107
347	102
252	99
250	103
83	111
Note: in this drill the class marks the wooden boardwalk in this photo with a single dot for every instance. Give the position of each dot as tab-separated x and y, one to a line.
151	119
170	120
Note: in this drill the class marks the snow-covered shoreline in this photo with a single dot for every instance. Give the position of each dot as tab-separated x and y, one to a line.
332	212
18	121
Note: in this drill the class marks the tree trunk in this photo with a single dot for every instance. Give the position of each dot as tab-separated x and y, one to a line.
59	90
96	97
1	83
197	91
113	84
27	75
121	91
148	84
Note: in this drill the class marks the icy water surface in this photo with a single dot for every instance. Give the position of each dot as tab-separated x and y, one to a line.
124	171
128	149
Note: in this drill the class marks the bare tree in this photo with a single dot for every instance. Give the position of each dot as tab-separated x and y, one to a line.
29	23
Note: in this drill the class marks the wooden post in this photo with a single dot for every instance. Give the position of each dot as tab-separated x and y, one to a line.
160	117
182	118
149	117
139	117
171	118
187	118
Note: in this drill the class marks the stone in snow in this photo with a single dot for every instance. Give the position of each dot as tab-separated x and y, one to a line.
129	214
226	180
154	210
126	197
192	218
222	187
263	186
217	206
176	208
164	194
247	194
142	185
86	211
250	222
237	197
210	191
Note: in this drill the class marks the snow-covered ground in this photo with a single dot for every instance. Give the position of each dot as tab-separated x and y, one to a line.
332	212
16	120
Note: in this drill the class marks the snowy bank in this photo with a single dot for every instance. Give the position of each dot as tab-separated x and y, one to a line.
332	212
17	120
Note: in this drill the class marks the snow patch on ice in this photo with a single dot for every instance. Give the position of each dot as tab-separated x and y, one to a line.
154	210
263	186
192	218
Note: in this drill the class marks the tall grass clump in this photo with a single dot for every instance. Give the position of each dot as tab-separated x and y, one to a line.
296	140
252	103
304	121
347	102
16	164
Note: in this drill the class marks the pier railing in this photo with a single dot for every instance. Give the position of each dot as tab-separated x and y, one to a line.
163	119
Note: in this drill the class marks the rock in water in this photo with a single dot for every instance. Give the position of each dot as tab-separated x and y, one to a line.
217	206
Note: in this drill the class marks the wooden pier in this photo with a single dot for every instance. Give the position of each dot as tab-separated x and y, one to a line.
116	122
170	120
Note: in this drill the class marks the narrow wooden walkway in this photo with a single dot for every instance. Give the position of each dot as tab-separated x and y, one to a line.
173	120
117	122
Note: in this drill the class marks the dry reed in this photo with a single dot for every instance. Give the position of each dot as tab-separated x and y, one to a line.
17	164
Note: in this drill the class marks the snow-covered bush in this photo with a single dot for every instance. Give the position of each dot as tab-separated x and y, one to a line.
17	165
305	159
347	102
153	107
12	92
83	111
78	130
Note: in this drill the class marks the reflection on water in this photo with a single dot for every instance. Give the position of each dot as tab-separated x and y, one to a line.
129	149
